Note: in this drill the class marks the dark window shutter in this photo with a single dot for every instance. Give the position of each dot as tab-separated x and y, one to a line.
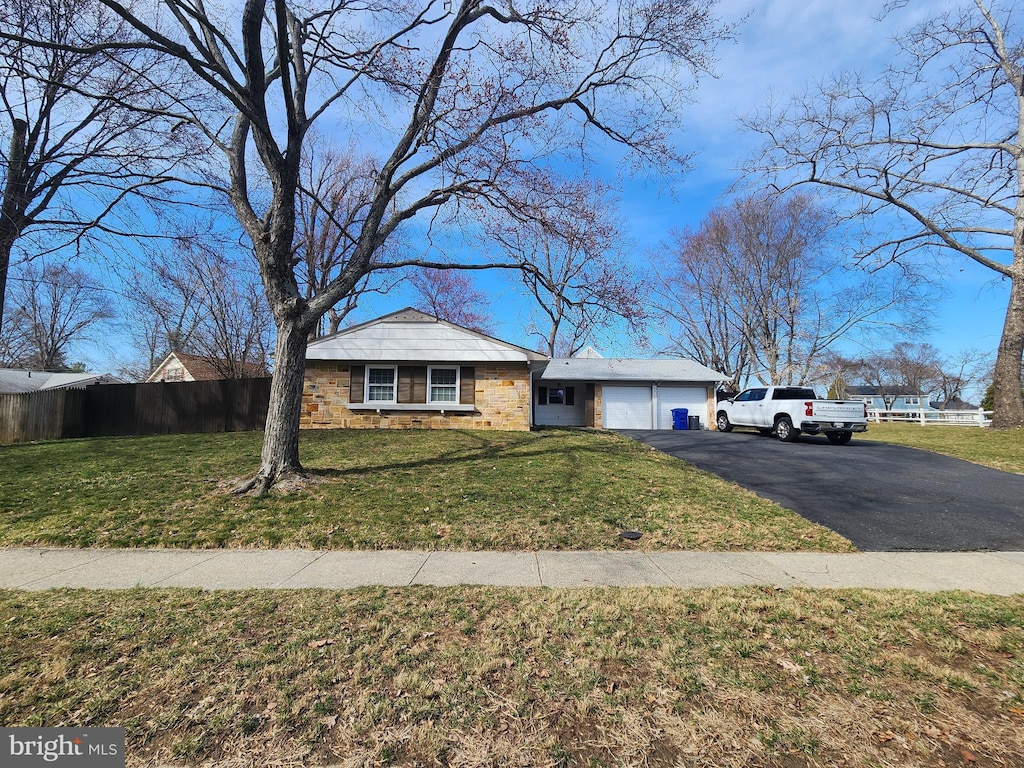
412	384
357	382
570	395
542	395
467	385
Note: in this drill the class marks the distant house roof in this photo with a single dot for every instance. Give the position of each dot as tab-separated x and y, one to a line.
13	381
618	369
203	368
956	404
588	352
888	390
413	336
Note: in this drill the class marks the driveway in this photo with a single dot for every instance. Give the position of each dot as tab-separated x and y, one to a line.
881	497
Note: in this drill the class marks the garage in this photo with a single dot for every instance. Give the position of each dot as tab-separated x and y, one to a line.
620	393
627	407
694	399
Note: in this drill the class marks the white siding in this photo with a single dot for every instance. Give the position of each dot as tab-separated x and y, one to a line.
562	415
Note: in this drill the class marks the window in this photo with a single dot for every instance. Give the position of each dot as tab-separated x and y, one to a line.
380	384
556	396
793	393
443	385
751	395
912	400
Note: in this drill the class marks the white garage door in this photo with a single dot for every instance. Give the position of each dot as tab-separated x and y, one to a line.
695	399
627	407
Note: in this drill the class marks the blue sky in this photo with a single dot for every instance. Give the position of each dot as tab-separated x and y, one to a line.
782	47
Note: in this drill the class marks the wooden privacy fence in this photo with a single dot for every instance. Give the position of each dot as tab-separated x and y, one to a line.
43	415
227	405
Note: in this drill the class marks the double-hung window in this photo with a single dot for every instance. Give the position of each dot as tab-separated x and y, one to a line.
380	384
443	385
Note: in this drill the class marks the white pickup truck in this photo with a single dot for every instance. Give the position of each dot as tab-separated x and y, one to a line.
788	411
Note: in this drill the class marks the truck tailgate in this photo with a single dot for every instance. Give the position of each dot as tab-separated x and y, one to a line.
839	410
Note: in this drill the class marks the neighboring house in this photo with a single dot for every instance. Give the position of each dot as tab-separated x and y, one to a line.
610	393
179	366
14	381
889	399
956	404
409	369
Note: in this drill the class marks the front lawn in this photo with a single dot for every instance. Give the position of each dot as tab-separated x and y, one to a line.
997	448
722	678
416	489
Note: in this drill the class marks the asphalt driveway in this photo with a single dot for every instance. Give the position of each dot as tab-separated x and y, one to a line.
881	497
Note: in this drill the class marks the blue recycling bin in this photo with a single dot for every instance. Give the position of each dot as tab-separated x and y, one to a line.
679	418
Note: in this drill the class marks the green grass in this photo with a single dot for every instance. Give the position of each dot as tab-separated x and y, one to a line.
997	448
418	489
750	677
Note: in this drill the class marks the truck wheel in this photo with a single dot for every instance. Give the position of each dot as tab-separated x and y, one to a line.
785	430
722	422
839	438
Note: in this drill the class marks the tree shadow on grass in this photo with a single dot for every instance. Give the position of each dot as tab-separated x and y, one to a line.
525	447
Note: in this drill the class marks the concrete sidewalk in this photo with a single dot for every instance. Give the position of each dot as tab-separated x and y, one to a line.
1000	573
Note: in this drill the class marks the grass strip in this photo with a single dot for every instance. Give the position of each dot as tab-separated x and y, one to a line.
749	677
997	448
421	489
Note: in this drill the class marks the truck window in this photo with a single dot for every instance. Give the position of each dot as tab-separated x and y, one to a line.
794	393
758	394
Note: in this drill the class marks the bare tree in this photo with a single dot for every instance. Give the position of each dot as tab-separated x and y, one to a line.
960	373
336	189
201	299
913	368
464	99
581	282
761	290
449	295
936	143
51	309
72	150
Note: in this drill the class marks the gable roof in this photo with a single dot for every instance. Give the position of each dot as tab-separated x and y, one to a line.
203	368
620	369
413	336
13	381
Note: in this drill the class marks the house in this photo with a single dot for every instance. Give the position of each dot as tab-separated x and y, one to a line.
14	381
955	404
892	398
179	366
616	393
410	369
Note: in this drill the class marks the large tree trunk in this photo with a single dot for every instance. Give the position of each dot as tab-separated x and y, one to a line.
280	459
12	205
1008	401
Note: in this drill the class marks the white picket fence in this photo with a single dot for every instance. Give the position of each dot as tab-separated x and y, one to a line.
976	418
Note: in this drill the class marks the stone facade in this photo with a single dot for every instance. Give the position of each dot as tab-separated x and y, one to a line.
594	409
502	401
